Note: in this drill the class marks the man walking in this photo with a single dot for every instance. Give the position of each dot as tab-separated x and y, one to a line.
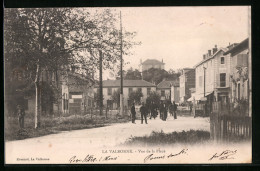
174	110
21	114
143	110
133	113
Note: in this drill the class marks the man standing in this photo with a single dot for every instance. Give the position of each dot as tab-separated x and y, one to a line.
21	114
171	109
174	110
143	110
165	111
191	107
133	113
161	109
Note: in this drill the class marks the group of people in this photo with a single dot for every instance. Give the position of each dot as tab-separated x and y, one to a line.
152	110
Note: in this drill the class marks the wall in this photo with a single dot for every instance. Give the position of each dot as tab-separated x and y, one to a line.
125	92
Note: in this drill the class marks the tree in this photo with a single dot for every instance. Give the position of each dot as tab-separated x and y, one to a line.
133	74
135	96
155	75
154	97
97	97
58	39
116	97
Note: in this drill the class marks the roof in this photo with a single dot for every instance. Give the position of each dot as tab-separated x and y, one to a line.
152	61
127	83
241	46
167	84
203	61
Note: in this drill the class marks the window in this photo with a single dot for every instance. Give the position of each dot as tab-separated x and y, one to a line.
163	93
223	80
148	91
130	90
139	89
222	60
109	91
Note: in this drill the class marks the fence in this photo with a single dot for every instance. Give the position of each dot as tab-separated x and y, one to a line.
228	125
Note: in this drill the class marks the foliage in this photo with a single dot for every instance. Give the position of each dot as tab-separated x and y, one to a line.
155	75
135	96
133	74
153	97
97	98
60	39
156	138
54	125
241	106
116	96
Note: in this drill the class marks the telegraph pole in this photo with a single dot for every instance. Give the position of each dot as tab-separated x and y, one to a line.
121	69
204	81
100	84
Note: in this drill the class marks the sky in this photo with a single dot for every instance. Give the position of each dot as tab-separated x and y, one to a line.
181	35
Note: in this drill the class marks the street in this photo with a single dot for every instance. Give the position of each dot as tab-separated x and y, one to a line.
61	147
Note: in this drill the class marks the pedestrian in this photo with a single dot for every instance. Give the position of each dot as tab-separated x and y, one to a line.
133	113
21	114
174	110
191	105
164	112
152	108
161	109
171	109
144	111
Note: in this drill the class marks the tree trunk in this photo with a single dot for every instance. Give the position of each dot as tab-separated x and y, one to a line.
37	105
37	99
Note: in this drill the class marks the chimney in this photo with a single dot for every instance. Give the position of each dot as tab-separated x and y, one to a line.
214	50
204	56
162	60
209	51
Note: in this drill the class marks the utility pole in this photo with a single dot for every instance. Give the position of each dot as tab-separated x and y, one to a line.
204	81
121	70
100	84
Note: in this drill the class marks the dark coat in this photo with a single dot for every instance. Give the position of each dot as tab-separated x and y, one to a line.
133	110
143	110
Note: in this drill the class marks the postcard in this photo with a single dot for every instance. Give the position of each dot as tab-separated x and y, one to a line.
128	85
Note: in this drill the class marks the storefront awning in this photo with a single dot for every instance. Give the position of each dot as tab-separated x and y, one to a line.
199	97
190	99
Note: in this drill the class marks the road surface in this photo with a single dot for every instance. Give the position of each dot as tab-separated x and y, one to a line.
104	145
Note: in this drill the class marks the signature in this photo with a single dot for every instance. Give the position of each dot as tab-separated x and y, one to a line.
91	159
153	157
227	154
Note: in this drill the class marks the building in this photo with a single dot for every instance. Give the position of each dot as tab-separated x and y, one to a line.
239	71
169	90
111	86
213	76
187	81
77	94
152	63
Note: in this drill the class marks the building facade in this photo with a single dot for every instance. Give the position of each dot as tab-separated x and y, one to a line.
111	86
239	71
152	63
169	90
77	94
213	76
187	81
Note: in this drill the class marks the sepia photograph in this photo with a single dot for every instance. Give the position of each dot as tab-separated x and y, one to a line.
128	85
